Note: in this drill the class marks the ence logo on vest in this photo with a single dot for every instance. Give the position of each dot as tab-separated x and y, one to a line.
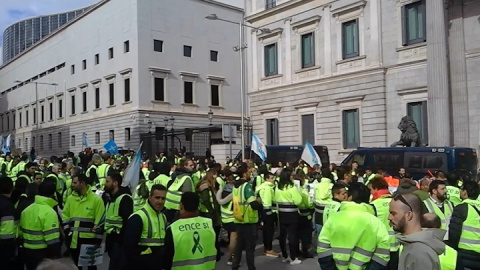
193	226
386	204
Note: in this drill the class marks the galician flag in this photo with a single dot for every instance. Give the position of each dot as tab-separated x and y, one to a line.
132	172
310	156
258	147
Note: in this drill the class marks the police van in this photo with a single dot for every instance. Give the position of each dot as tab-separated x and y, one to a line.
417	161
286	153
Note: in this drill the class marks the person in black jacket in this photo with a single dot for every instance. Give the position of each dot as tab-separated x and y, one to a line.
114	241
7	239
470	206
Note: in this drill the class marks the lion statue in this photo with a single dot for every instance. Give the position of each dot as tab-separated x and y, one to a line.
410	136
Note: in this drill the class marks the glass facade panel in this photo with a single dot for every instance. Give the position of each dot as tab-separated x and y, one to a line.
350	39
351	129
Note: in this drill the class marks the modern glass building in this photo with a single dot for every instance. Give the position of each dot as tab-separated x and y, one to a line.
20	36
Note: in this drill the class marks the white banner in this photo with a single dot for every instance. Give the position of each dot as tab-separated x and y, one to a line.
91	255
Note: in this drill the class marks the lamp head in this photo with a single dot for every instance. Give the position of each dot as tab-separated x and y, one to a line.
212	17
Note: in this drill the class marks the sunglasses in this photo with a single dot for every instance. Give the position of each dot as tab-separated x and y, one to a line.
399	197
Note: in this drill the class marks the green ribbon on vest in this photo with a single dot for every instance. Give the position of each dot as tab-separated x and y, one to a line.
197	245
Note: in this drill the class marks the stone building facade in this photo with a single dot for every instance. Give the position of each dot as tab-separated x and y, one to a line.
343	73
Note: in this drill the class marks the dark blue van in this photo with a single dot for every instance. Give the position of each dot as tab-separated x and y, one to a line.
286	153
417	161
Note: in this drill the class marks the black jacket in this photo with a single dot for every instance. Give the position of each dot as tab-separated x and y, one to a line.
125	210
7	246
469	258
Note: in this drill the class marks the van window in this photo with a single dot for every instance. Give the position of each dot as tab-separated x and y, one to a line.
421	162
387	161
360	158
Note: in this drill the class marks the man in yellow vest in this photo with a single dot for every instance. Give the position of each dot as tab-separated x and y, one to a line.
245	211
267	194
340	194
182	183
449	260
118	210
145	233
40	228
92	171
104	169
421	248
7	225
342	245
453	191
438	203
190	240
464	230
83	217
322	197
19	167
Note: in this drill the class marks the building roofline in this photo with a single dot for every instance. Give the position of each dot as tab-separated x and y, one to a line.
54	33
223	5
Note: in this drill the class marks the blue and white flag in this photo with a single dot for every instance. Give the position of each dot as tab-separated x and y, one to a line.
6	144
2	142
259	148
310	156
85	140
111	147
8	141
132	172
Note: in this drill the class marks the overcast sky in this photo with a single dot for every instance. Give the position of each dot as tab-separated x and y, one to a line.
12	11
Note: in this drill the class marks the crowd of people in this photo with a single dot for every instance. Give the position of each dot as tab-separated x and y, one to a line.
175	216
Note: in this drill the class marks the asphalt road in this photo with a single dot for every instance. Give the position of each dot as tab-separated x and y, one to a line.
261	262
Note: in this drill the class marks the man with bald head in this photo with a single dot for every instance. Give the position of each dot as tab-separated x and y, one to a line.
423	193
420	247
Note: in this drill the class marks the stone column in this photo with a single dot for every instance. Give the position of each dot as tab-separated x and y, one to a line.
458	75
437	75
287	62
327	38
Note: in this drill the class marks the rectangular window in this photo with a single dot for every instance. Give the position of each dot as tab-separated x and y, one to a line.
73	104
84	101
127	90
414	23
159	89
270	4
97	137
308	129
214	56
418	112
20	119
350	42
59	139
272	131
50	141
41	142
187	51
127	134
34	140
188	92
34	115
26	117
72	140
351	129
72	69
84	64
111	135
271	61
308	50
97	59
126	46
60	108
215	95
42	116
158	45
110	53
14	121
50	105
111	93
97	98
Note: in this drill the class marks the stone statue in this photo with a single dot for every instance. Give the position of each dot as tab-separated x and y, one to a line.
410	136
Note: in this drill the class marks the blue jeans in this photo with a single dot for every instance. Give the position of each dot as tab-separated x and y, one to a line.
318	229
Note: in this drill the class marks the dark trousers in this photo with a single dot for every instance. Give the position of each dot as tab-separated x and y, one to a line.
7	254
393	263
268	230
217	243
33	257
118	259
289	230
305	232
246	236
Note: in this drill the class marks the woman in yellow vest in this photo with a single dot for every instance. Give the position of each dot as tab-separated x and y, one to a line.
288	198
224	197
209	207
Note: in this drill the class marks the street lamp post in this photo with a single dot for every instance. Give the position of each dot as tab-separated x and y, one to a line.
210	116
36	106
165	138
172	123
240	48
